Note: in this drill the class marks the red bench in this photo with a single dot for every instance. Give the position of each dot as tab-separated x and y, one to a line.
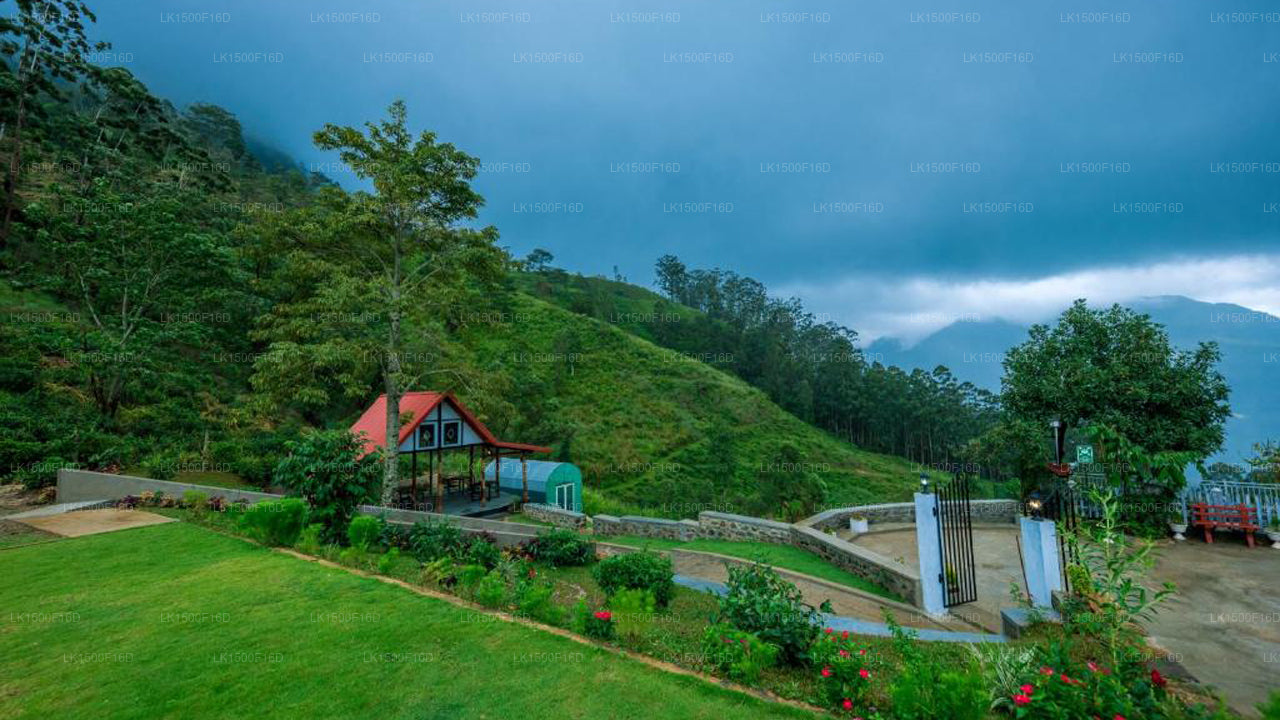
1224	517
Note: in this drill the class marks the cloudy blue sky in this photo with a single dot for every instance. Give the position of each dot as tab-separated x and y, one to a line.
897	165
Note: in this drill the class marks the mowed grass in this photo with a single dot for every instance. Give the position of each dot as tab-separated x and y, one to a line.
94	627
783	556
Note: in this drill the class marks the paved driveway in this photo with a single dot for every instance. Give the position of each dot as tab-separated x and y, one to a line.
1223	625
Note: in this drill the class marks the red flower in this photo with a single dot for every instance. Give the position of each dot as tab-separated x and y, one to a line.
1021	699
845	634
1046	670
844	653
829	631
847	704
1118	717
1027	689
826	671
1066	679
604	615
863	672
1093	666
1158	679
863	651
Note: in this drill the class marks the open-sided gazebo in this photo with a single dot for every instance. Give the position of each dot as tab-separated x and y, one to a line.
440	428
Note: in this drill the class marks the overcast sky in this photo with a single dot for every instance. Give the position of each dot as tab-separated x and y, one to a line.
895	164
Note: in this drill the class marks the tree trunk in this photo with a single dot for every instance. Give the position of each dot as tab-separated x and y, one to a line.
391	378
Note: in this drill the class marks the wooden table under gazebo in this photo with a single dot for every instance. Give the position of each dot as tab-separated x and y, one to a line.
443	430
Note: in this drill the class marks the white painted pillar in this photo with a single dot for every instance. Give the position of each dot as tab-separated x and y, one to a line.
930	553
1040	560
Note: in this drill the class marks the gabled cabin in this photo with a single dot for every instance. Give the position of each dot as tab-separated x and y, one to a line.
447	447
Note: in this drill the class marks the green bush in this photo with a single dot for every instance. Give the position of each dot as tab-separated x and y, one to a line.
328	469
923	689
562	548
387	561
740	655
641	570
535	601
633	611
491	591
1271	709
364	531
435	540
844	670
310	541
482	551
760	602
596	624
196	500
275	522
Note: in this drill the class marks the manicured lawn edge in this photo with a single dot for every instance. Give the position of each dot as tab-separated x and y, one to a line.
507	617
669	545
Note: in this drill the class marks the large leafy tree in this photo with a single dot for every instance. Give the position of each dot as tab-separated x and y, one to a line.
1116	367
377	264
43	44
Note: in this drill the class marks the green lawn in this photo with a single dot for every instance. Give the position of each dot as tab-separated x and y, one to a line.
783	556
95	628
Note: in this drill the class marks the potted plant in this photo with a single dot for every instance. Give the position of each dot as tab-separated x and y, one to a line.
859	524
1177	523
1273	532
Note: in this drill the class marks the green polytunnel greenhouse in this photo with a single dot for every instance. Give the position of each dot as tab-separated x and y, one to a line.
550	483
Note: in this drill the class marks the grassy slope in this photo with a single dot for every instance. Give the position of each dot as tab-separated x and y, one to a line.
284	638
644	417
783	556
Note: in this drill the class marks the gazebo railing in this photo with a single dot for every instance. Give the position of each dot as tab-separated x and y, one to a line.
1264	498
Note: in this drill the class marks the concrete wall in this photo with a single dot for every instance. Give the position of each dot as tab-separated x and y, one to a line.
1000	512
862	562
80	485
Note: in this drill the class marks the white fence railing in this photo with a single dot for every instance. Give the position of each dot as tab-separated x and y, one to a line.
1264	498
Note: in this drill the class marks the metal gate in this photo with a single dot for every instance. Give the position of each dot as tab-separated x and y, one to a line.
955	542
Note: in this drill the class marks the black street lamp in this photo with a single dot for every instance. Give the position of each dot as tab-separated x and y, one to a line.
924	482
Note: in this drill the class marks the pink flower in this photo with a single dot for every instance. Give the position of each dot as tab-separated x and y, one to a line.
844	653
826	671
1046	670
847	704
863	672
1021	699
829	631
1027	689
1093	666
863	651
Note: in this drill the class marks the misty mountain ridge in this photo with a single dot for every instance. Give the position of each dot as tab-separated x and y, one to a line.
1249	341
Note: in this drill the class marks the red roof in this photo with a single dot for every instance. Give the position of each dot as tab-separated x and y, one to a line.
373	423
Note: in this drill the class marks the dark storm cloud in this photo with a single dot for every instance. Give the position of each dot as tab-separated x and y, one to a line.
802	143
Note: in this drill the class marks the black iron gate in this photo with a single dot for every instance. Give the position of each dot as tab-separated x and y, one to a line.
955	542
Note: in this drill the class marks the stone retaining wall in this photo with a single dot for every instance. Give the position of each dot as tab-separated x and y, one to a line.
81	485
1001	512
864	563
555	515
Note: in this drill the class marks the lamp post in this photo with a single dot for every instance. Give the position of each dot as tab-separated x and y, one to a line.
924	482
1035	505
1059	439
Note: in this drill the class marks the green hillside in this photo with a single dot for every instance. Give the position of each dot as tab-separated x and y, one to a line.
664	433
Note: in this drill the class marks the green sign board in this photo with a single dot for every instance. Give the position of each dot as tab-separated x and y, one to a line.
1084	454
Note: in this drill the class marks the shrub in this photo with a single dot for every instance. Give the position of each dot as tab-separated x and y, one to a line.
327	469
274	522
632	611
923	689
844	670
387	561
759	601
196	500
491	591
740	655
561	548
642	570
434	540
596	624
534	599
1271	709
469	576
482	551
364	531
309	540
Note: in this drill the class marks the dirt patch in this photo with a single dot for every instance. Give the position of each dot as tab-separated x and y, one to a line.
13	534
92	522
17	498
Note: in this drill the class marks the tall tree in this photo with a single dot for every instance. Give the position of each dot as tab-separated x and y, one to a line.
46	42
1116	367
383	259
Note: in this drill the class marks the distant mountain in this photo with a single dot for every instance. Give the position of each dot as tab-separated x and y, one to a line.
1249	340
